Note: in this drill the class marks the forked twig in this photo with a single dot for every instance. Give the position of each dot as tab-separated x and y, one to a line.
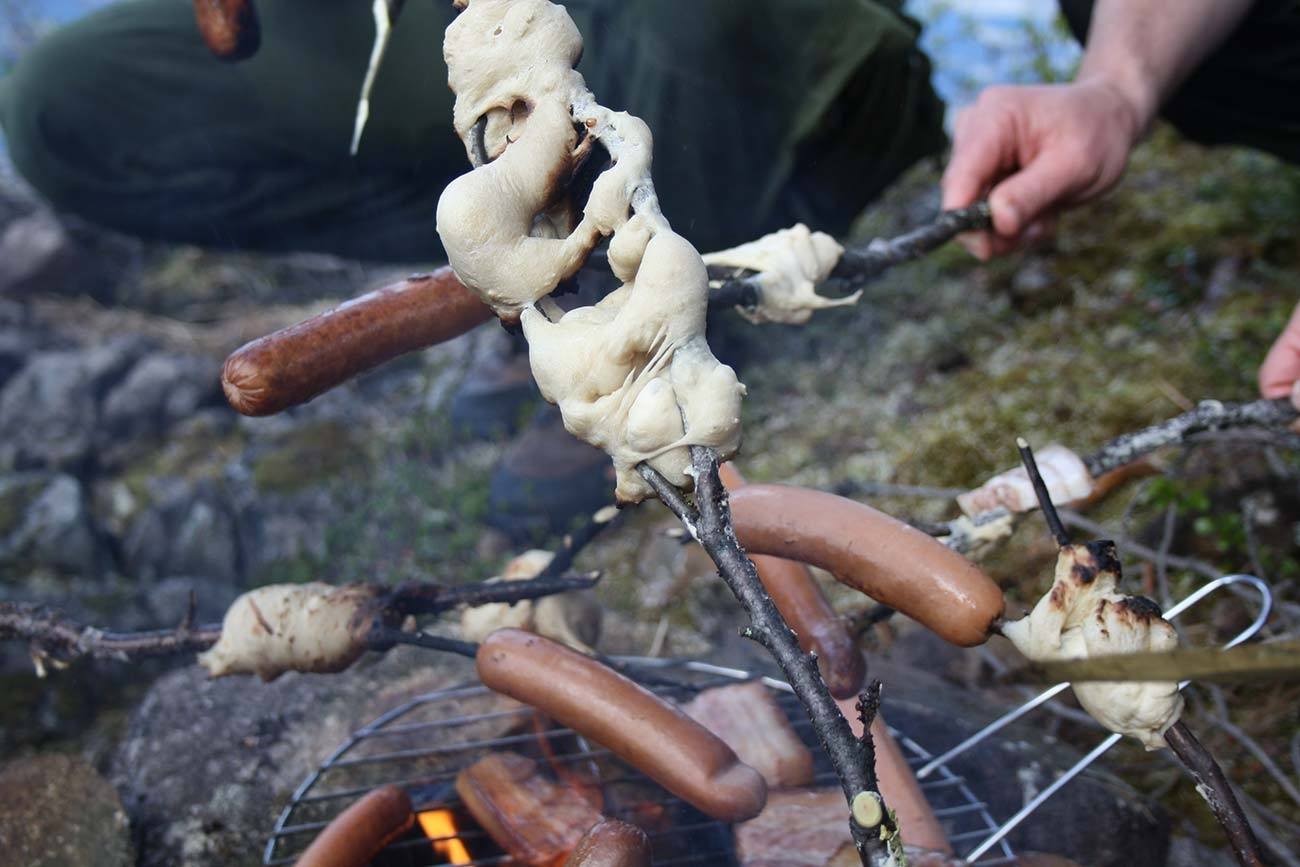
709	523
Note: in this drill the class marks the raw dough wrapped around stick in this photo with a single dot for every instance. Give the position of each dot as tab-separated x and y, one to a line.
633	374
291	627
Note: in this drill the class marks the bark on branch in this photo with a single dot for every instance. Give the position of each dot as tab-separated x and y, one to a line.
734	287
58	640
709	523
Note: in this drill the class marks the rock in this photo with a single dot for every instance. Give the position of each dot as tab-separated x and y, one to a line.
56	811
44	520
189	529
159	391
1186	852
36	255
49	410
207	765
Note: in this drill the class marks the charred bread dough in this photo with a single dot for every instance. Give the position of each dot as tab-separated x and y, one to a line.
652	735
1084	615
789	265
633	374
290	627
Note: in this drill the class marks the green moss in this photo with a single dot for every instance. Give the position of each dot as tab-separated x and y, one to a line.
312	454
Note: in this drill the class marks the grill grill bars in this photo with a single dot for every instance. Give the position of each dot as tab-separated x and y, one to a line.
424	743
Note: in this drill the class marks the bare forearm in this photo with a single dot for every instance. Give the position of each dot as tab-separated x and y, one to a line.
1146	48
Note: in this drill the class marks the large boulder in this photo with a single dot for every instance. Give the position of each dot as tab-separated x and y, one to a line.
57	811
207	765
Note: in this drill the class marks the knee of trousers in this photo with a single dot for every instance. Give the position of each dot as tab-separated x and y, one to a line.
48	120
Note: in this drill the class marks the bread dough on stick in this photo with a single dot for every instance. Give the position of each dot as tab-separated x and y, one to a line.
789	265
632	374
1084	615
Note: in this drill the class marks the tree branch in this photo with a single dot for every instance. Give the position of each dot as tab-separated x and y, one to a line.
709	523
735	287
1217	792
59	640
1210	415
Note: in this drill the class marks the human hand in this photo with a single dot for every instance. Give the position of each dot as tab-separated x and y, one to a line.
1279	375
1036	149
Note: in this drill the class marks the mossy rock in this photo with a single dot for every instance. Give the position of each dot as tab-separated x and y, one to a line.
55	811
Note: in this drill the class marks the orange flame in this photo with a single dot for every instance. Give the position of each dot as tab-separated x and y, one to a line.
440	828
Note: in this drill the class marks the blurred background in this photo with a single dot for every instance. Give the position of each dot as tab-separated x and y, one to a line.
126	483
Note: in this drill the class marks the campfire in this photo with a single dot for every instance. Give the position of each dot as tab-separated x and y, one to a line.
424	745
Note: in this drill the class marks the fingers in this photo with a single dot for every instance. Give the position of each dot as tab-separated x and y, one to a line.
982	146
1279	375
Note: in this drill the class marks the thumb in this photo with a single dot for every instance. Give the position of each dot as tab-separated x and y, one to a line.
1024	197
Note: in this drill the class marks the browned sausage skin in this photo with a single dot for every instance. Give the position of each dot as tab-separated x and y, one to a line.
228	27
893	563
611	843
650	734
297	363
803	605
358	833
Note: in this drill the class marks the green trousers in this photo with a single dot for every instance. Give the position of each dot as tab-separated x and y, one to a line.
764	112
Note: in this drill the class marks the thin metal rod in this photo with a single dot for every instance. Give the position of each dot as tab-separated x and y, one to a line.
1038	800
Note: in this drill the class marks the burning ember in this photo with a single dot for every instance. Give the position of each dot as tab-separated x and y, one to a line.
440	827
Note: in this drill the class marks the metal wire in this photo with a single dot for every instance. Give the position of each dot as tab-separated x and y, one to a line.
963	815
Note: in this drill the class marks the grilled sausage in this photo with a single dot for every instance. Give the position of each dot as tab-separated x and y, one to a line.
804	606
228	27
297	363
650	734
611	843
867	550
359	833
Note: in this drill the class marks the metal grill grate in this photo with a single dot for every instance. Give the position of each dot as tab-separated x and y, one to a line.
425	742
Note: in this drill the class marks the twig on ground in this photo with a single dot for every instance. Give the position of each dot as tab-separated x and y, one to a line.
709	523
1284	782
1137	549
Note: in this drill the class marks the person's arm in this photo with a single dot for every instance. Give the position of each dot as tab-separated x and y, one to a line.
1036	149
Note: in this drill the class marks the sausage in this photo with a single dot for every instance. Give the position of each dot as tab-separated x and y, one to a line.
647	732
297	363
359	833
899	787
867	550
611	843
228	27
803	605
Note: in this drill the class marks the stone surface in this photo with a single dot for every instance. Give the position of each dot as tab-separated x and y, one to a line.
44	520
57	811
49	410
207	765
